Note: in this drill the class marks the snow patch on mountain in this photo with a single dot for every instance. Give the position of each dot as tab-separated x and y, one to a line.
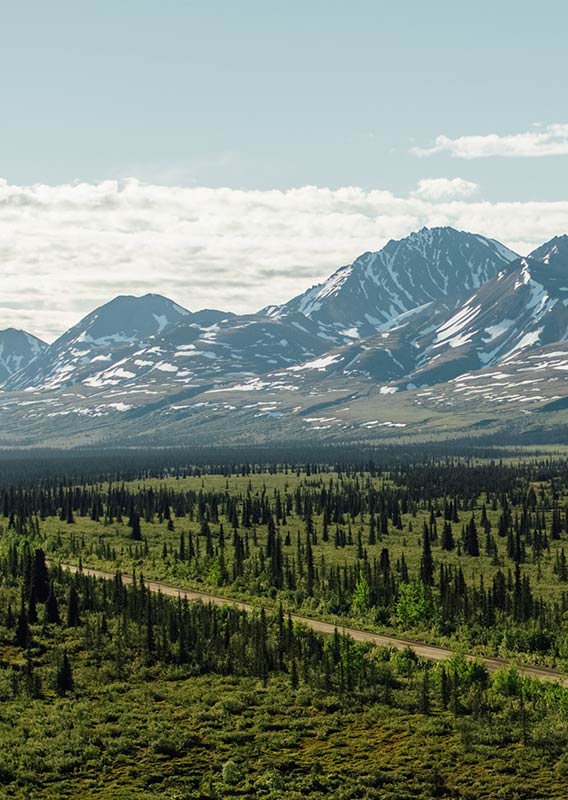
318	363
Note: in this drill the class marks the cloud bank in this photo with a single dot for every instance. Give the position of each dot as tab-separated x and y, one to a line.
549	140
66	249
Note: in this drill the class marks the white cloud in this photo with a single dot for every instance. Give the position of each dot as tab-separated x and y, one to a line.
66	249
544	140
445	189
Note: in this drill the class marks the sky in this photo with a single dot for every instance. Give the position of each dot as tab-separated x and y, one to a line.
232	154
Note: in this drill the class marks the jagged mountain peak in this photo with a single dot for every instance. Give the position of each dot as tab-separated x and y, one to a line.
433	265
428	240
552	251
522	308
427	234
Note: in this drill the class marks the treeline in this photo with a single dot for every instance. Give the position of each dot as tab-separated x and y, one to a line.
91	465
336	494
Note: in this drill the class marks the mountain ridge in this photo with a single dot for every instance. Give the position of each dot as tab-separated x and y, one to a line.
411	331
432	265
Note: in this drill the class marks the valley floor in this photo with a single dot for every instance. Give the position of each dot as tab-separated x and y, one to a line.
202	633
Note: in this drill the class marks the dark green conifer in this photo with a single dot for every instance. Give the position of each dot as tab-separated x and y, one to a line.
64	677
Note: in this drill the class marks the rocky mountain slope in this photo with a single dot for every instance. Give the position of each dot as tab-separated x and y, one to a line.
133	341
426	337
102	337
524	306
436	266
17	349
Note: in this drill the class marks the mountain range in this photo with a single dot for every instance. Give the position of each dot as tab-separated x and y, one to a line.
440	334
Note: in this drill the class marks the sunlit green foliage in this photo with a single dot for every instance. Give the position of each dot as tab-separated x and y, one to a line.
115	692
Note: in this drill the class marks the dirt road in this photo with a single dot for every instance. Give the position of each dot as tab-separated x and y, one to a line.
431	652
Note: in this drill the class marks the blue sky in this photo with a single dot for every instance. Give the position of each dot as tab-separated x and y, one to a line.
273	94
269	96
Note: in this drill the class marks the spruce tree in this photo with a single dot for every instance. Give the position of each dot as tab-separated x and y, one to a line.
22	635
52	608
64	678
136	531
471	540
39	577
427	562
447	537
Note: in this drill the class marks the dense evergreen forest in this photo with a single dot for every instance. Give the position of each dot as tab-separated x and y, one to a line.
21	466
112	690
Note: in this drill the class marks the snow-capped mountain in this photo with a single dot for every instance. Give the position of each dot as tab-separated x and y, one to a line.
524	306
436	266
233	348
102	337
17	349
439	321
152	341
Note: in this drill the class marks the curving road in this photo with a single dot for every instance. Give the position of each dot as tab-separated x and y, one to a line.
429	651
